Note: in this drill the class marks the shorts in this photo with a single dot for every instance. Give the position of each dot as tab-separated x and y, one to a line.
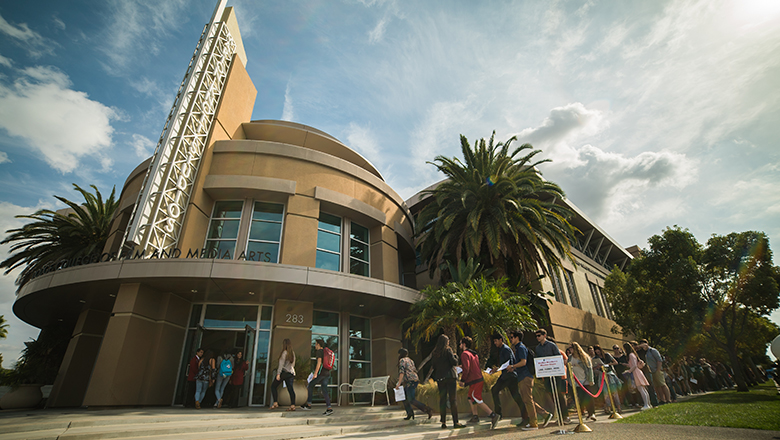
658	379
475	392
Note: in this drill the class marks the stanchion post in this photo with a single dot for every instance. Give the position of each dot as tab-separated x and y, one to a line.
582	427
614	414
557	404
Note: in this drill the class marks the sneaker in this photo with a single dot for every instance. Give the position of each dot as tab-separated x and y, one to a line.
645	407
327	412
494	420
567	421
530	427
306	407
473	419
547	420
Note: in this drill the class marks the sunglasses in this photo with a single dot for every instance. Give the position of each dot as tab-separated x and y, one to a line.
539	335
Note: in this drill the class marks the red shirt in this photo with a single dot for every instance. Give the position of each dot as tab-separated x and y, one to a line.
193	370
238	374
470	363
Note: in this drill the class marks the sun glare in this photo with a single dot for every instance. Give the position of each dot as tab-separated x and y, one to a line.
755	12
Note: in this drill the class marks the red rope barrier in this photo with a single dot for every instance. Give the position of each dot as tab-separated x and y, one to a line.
601	388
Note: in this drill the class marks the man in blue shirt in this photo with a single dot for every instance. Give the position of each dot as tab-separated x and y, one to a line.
524	378
508	379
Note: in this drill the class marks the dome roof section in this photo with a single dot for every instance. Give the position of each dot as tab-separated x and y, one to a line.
308	137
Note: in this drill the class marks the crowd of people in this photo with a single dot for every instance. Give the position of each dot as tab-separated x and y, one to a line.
223	374
633	374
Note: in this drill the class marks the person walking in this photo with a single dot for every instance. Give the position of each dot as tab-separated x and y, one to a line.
444	360
508	380
285	372
205	377
546	348
321	375
635	368
472	378
525	379
408	378
582	368
192	372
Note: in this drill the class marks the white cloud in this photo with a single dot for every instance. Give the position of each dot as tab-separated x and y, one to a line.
376	34
134	31
142	145
4	157
5	62
64	125
288	112
32	41
58	23
363	140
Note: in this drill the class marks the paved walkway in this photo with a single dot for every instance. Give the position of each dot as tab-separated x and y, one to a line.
348	423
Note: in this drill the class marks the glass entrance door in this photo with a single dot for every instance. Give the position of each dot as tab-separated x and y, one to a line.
249	352
260	368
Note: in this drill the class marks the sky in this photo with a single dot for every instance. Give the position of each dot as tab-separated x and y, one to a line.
653	113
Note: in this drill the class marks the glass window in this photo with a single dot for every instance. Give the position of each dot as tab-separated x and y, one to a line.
359	348
230	316
261	356
557	286
596	300
223	229
575	299
358	250
606	304
325	326
195	316
329	242
265	234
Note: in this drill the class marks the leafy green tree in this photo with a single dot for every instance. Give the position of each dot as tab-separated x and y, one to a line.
496	208
659	295
52	237
742	286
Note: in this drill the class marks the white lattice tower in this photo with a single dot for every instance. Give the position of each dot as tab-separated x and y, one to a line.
159	212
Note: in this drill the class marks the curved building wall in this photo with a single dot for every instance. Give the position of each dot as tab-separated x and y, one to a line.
133	317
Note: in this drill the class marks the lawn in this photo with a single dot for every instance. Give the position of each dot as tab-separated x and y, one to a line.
757	409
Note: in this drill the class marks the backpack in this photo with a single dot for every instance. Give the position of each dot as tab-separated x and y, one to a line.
529	362
226	368
328	358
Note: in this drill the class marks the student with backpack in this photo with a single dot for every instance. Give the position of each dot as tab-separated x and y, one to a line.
321	374
224	371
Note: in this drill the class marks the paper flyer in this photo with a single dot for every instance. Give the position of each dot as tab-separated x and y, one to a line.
504	366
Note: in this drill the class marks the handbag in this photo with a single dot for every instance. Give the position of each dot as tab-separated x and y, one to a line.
400	395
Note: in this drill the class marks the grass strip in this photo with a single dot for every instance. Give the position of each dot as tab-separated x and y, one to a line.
757	409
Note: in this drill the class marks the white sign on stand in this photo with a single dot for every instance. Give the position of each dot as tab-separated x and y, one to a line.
550	366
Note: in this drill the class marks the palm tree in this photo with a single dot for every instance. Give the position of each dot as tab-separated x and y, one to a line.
3	327
52	237
479	307
495	207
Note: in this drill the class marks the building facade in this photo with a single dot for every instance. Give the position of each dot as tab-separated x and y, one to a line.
254	232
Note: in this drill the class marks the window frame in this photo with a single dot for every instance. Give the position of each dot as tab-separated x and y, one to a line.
572	287
251	223
238	230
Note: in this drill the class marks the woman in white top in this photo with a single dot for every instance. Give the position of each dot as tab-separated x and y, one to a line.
285	372
582	367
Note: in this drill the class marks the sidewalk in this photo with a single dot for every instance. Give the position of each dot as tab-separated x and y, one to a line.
347	423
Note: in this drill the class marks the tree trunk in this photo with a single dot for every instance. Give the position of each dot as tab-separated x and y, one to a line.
736	365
